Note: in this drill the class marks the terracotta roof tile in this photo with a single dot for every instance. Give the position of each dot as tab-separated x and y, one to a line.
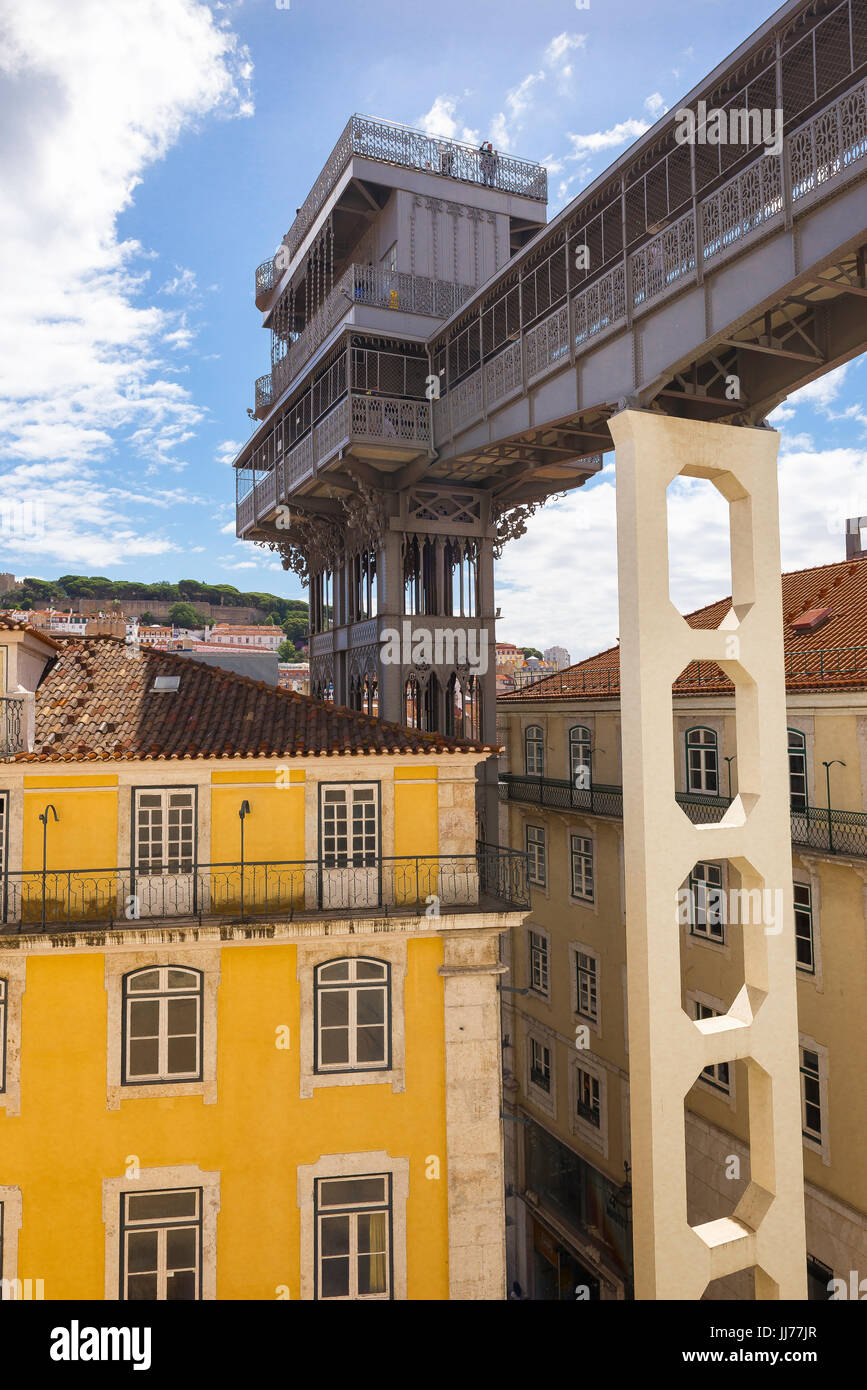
95	702
824	658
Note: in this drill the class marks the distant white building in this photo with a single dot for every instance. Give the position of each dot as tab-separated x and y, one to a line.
559	656
267	637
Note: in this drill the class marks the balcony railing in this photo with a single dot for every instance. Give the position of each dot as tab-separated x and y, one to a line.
266	279
413	149
491	880
264	395
368	285
379	419
13	725
813	827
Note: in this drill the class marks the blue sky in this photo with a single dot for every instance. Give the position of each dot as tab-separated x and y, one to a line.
155	152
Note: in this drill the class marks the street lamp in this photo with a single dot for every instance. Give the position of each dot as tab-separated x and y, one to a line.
728	762
43	816
243	813
827	767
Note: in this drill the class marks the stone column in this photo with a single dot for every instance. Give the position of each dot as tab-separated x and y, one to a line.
668	1049
474	1143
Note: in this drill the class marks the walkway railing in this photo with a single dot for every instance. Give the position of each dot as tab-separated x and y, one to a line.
822	154
813	827
492	879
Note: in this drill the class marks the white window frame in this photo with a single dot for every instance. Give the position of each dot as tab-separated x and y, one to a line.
160	1226
538	1036
704	1006
539	945
577	951
698	785
391	950
534	735
798	749
157	1180
694	929
584	1063
351	987
537	857
162	995
821	1145
352	1211
353	1165
812	970
584	741
540	1064
583	856
205	959
13	971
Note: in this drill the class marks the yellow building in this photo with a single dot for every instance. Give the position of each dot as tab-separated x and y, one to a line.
567	1080
249	1003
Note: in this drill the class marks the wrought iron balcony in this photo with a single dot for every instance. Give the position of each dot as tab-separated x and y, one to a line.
813	827
264	395
363	419
413	149
491	880
13	724
266	279
369	286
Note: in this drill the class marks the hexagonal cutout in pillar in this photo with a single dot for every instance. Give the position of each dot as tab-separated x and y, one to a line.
699	546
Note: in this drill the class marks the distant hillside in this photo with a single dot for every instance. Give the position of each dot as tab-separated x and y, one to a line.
134	596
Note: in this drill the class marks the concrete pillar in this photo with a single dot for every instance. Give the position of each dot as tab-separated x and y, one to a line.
668	1049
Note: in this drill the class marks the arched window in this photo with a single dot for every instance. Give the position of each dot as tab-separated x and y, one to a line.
797	770
702	763
412	701
579	756
534	751
162	1024
352	1007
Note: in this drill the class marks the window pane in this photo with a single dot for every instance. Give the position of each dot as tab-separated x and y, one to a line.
148	979
182	1286
370	1006
334	1046
371	1044
144	1018
141	1288
344	1192
141	1251
335	1277
334	1008
372	1253
338	970
183	1015
369	970
144	1057
335	1235
181	1247
161	1206
183	979
181	1055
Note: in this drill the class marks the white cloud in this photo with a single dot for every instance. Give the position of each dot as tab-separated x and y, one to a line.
441	121
90	96
573	544
606	139
564	44
655	104
184	283
227	450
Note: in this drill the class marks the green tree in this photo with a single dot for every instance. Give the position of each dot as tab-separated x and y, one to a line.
531	651
185	615
287	652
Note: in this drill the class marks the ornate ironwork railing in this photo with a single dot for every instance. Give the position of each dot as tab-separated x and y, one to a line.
813	827
383	289
821	154
13	725
492	879
266	278
413	149
264	395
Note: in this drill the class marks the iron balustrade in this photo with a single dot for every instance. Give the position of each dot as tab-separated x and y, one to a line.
391	143
813	827
822	154
265	278
13	725
492	879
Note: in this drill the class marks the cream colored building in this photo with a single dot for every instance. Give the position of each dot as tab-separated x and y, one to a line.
567	1058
